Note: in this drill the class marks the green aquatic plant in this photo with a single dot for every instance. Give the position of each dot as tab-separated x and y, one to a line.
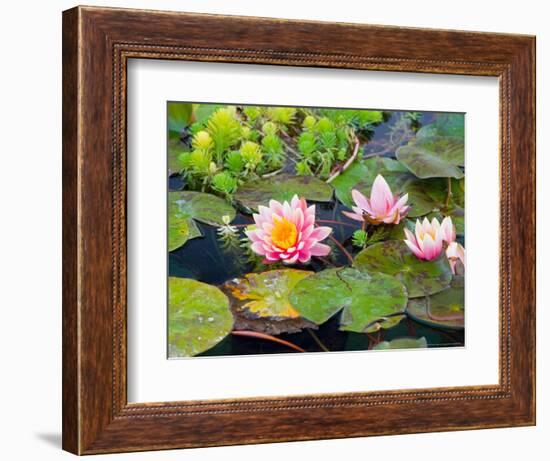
252	113
229	147
202	141
361	121
272	146
224	183
282	116
228	235
234	162
321	145
303	169
251	155
360	238
307	144
225	131
365	279
309	122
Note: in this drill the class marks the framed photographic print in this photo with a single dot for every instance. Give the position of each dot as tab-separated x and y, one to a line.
283	230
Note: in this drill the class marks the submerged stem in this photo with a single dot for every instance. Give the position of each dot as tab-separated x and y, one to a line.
449	193
255	334
342	249
317	340
330	221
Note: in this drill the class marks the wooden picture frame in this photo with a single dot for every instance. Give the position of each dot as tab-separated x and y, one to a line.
97	43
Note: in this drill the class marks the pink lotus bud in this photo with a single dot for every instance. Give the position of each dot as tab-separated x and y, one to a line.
426	243
448	230
382	207
455	251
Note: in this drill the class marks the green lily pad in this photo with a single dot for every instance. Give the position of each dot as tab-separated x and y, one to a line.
198	317
184	208
175	149
266	294
443	310
361	174
260	302
369	301
204	111
434	157
346	181
394	258
181	227
437	189
383	164
205	208
402	343
458	190
430	196
444	125
282	187
397	232
179	116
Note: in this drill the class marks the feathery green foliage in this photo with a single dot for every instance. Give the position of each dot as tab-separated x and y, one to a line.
224	129
321	143
283	116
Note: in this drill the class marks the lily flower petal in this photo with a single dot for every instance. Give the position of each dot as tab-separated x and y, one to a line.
286	232
382	207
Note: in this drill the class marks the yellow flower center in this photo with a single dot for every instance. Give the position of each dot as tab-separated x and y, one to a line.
431	232
284	233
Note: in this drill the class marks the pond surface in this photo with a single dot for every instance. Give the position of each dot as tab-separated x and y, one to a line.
204	259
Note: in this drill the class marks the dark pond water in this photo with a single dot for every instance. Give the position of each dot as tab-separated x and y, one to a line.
205	260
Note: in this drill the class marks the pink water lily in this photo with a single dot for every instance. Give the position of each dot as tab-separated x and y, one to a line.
286	232
382	207
427	241
455	252
448	231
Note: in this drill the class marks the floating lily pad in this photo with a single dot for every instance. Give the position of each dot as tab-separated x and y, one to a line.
437	189
443	310
175	148
458	190
444	125
261	301
392	257
381	164
345	182
369	301
430	196
402	343
198	317
184	208
282	187
434	157
397	232
202	207
179	117
180	227
204	111
266	294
